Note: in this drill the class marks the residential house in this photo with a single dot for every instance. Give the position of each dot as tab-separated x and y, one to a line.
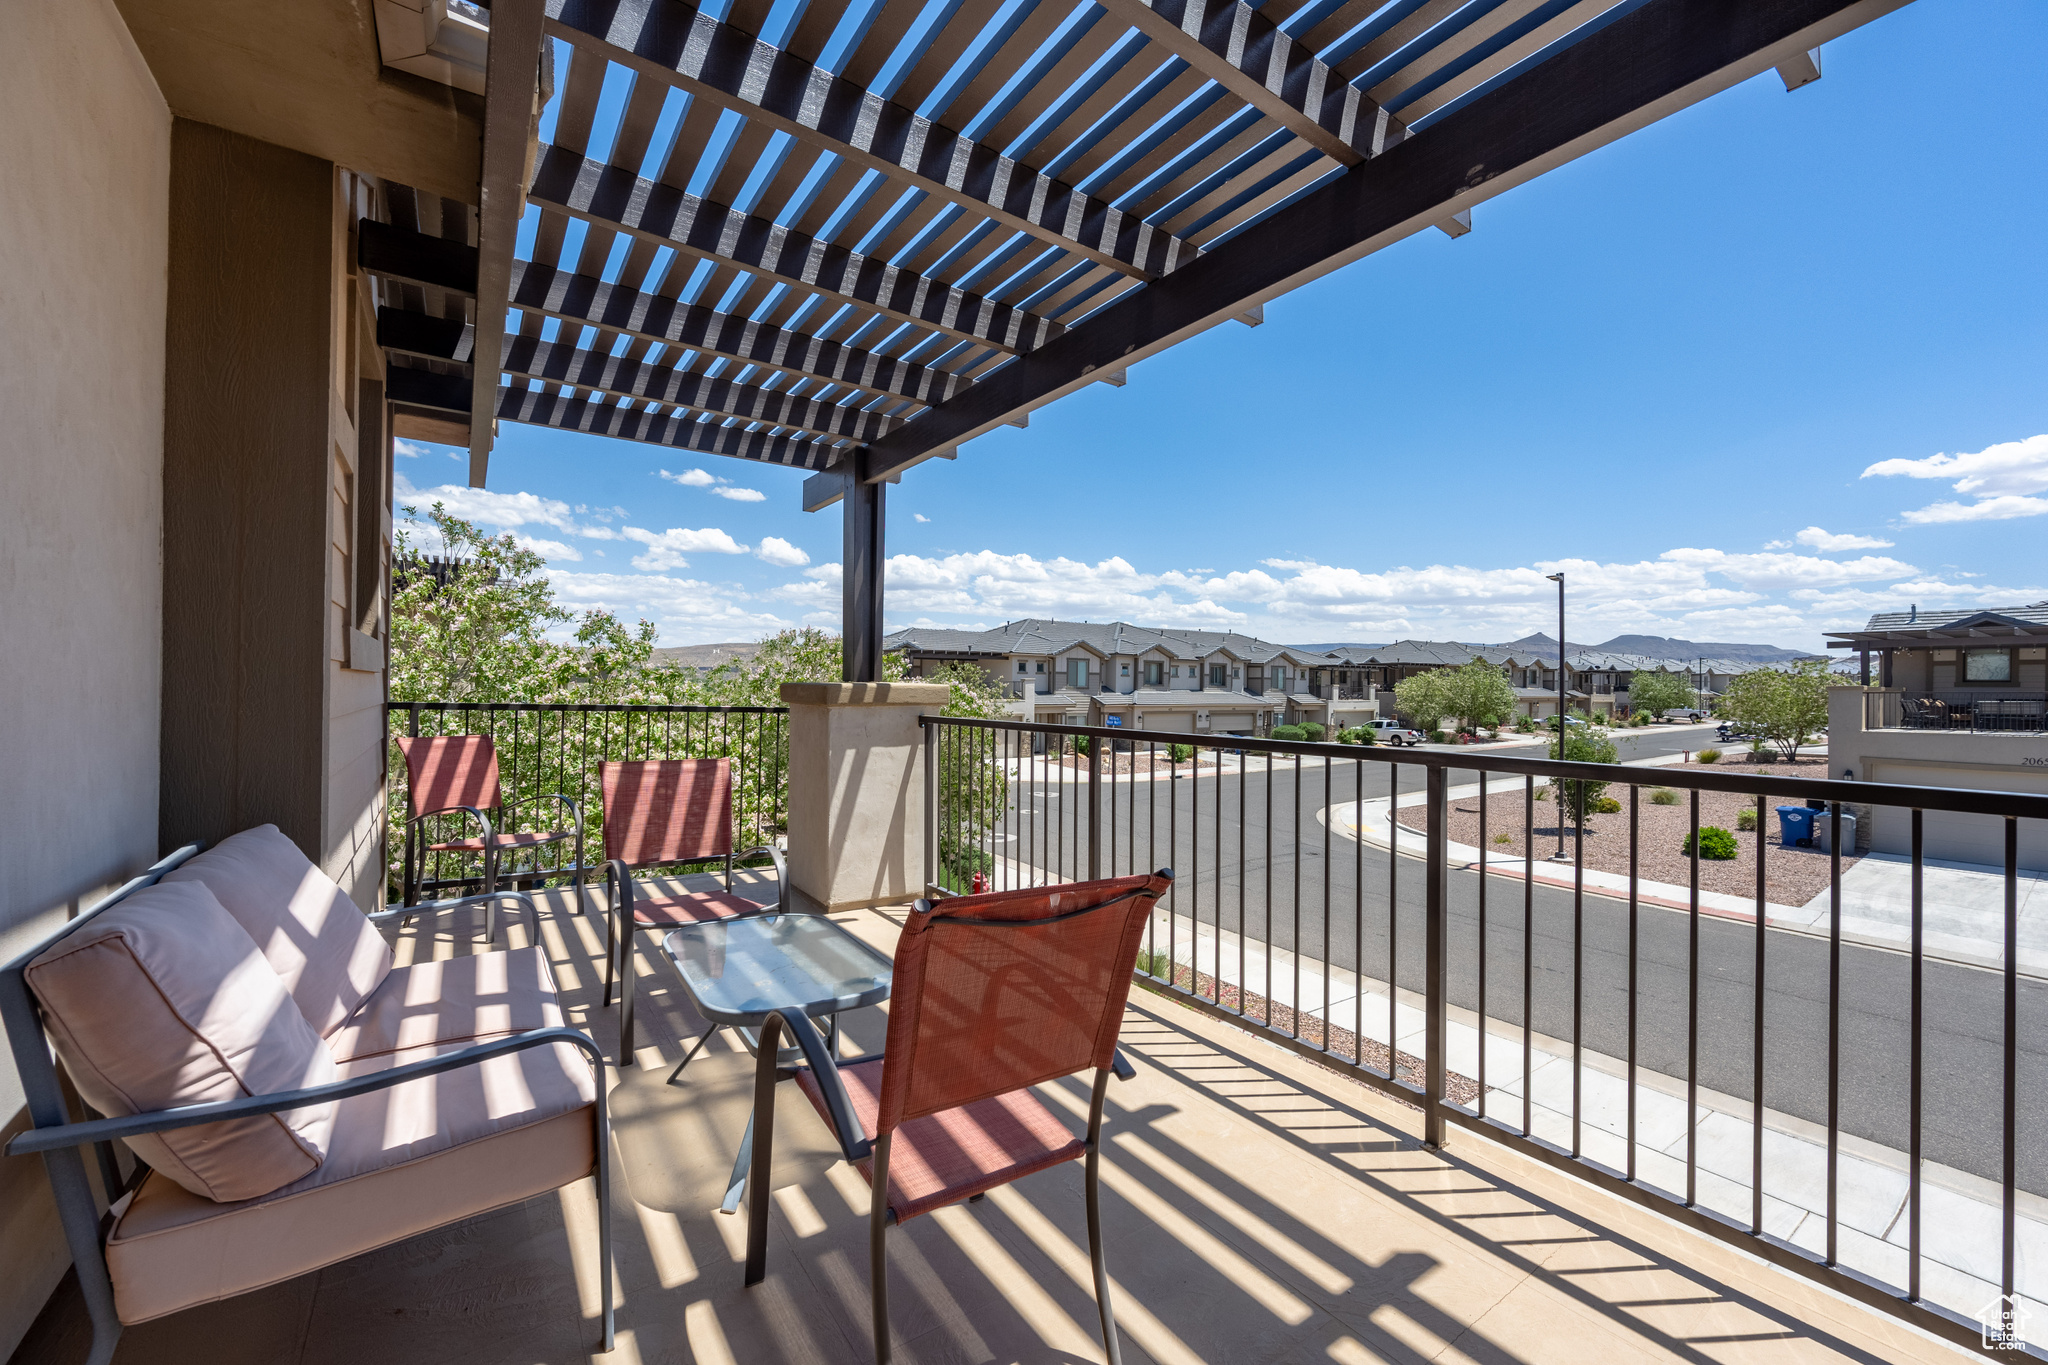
1960	700
1139	678
1533	678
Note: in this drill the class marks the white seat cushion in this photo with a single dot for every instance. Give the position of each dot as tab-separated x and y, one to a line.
324	949
402	1161
163	1001
480	996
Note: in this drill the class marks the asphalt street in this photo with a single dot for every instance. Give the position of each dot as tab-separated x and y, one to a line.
1216	830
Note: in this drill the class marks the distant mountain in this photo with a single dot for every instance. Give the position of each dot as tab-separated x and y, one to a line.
705	656
1664	647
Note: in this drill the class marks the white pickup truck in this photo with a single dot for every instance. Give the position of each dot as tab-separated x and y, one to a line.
1394	733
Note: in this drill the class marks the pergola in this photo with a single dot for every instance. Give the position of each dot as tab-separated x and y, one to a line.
848	236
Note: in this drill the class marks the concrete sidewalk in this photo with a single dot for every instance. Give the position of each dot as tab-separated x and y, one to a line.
1960	1213
1962	906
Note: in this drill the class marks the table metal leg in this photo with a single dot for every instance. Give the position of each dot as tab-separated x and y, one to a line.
736	1187
695	1048
766	1072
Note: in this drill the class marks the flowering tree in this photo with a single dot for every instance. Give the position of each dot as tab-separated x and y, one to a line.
1784	706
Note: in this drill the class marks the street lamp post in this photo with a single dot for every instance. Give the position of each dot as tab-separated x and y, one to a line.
1557	789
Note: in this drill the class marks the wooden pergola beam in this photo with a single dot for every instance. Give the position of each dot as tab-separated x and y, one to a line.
674	42
511	87
680	433
613	197
1247	54
559	362
694	326
1652	62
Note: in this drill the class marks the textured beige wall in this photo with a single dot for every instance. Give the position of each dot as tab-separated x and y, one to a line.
856	790
83	245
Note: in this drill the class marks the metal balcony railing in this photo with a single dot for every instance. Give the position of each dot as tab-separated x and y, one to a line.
1289	890
1981	710
543	749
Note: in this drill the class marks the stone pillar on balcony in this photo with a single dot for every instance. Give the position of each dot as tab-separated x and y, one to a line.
856	791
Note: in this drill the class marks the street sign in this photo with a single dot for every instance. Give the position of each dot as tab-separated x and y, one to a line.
1115	722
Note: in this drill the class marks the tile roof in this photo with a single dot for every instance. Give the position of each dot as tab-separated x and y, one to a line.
1043	636
2034	613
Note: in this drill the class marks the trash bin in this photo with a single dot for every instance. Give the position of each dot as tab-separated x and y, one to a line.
1821	834
1795	827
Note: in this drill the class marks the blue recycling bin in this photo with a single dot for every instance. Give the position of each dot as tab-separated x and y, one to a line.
1795	827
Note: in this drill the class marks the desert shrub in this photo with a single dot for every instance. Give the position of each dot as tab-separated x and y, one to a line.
1716	844
1081	745
1155	964
1503	838
1293	732
1358	734
1709	755
1745	820
1543	793
1664	796
1525	726
1438	737
1605	805
1180	753
1312	732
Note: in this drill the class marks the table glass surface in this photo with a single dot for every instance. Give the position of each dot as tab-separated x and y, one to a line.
737	971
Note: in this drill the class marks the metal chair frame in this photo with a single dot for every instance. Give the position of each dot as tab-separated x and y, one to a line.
416	851
59	1139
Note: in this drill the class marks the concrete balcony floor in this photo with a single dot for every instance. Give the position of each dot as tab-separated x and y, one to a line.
1260	1209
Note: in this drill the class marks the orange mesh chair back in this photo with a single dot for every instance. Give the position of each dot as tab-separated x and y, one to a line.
991	995
444	772
672	810
996	993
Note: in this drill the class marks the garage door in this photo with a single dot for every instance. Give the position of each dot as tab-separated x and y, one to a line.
1951	837
1223	721
1179	722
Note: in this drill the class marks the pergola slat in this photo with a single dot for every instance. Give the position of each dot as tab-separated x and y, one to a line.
562	363
583	299
608	196
671	40
1248	55
681	433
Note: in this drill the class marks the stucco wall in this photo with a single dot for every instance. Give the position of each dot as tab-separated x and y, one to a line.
83	251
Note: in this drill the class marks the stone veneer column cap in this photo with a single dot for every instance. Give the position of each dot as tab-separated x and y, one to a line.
866	694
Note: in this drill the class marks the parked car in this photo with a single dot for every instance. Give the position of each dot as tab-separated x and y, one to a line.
1684	715
1393	732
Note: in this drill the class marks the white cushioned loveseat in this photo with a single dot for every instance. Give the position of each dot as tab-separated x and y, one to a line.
292	1097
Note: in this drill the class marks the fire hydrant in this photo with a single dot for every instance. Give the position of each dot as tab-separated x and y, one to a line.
980	885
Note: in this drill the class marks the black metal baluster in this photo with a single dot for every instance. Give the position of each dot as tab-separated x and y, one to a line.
2012	1043
1913	1083
1295	941
1635	793
1528	939
1834	1018
1578	946
1329	1015
1756	1135
1482	943
1692	1010
1393	919
1358	915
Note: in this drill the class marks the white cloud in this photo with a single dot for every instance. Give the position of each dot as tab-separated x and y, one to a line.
410	450
489	508
1998	476
711	483
2003	508
919	516
1829	543
550	550
690	478
739	494
666	549
779	552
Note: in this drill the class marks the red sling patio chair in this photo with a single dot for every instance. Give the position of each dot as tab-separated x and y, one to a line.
672	810
459	773
992	994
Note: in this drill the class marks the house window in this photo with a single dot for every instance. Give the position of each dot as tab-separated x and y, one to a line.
1280	680
1041	665
1987	665
1077	672
1153	672
1219	675
1126	670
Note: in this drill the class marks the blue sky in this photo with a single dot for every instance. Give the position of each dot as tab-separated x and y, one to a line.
1749	374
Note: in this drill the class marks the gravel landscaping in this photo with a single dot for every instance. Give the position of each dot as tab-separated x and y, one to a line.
1792	876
